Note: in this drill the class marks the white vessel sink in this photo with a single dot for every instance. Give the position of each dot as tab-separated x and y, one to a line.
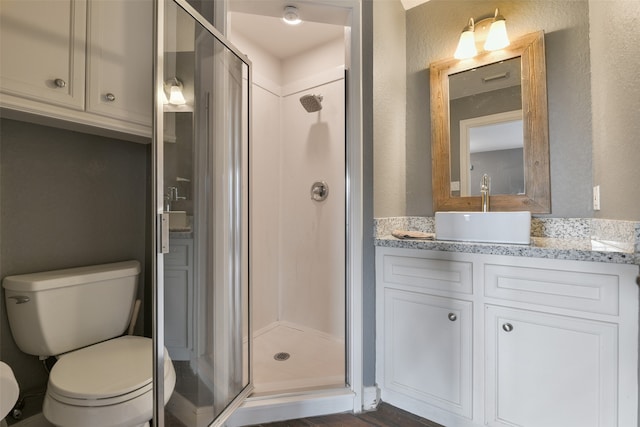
490	227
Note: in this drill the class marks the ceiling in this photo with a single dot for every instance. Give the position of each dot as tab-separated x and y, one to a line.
279	39
408	4
260	22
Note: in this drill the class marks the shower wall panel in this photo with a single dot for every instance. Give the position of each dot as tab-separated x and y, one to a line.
297	247
265	196
312	262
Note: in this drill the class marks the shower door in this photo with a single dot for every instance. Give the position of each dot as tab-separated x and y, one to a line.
201	292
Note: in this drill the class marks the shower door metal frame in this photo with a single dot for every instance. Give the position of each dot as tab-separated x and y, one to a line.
355	209
159	239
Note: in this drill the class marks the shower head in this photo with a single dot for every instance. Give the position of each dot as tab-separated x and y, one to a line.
311	103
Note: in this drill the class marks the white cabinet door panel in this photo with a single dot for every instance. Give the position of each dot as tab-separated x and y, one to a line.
427	349
548	370
119	61
42	44
178	299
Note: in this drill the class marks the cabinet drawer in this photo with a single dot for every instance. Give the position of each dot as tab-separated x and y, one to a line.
178	255
576	290
442	275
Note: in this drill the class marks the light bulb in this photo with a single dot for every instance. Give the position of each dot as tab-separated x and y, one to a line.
497	38
467	44
176	97
290	15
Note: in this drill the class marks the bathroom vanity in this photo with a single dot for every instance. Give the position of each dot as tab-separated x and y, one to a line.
470	335
178	296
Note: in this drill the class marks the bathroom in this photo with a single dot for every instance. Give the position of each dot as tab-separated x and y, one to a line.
591	133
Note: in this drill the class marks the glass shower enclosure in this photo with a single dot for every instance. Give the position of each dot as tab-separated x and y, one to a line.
201	285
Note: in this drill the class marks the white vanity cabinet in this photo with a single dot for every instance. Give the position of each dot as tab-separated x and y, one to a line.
424	352
42	44
84	64
178	298
552	343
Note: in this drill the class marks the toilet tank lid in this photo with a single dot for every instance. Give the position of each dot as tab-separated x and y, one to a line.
47	280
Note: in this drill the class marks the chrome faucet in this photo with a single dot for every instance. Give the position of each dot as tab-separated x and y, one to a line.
485	184
171	196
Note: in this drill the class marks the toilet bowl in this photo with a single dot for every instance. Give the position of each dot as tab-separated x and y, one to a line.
9	390
108	384
101	378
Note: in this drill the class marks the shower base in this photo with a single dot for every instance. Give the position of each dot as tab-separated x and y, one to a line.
316	359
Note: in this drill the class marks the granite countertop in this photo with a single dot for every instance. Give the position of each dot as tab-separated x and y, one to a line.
568	239
540	247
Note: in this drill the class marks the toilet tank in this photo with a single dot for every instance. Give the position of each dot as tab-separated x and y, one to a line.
54	312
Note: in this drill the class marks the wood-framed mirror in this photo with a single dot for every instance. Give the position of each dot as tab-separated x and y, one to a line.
521	180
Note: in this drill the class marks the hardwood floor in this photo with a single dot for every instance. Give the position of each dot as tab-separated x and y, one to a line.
385	416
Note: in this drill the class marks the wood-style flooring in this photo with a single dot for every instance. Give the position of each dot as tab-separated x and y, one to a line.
385	416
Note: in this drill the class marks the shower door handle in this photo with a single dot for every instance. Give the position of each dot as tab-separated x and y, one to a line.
163	243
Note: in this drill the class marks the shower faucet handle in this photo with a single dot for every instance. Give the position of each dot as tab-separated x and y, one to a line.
319	191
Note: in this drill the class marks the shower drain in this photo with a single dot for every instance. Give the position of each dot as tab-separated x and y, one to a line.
281	357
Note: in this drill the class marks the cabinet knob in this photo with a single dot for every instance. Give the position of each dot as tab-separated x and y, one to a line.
452	317
110	97
508	327
60	83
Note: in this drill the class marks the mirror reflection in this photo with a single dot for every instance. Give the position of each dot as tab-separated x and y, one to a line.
486	129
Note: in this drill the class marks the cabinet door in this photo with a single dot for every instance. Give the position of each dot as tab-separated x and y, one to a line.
42	44
549	371
119	61
427	349
178	299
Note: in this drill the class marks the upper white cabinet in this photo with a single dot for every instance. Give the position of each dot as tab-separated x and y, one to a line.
84	63
471	340
120	60
42	44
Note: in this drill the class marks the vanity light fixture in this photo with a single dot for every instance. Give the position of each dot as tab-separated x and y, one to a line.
291	16
174	87
467	44
496	39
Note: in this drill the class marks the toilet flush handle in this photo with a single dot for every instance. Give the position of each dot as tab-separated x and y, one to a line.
20	299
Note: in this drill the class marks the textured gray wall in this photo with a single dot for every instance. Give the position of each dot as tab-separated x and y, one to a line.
66	199
368	250
432	34
615	86
389	104
504	168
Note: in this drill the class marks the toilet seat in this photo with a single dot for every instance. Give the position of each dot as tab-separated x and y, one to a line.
108	384
106	373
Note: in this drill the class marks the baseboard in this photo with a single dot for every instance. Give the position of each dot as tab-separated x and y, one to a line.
188	413
370	398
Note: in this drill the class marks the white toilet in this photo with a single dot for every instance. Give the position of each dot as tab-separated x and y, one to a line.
101	378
